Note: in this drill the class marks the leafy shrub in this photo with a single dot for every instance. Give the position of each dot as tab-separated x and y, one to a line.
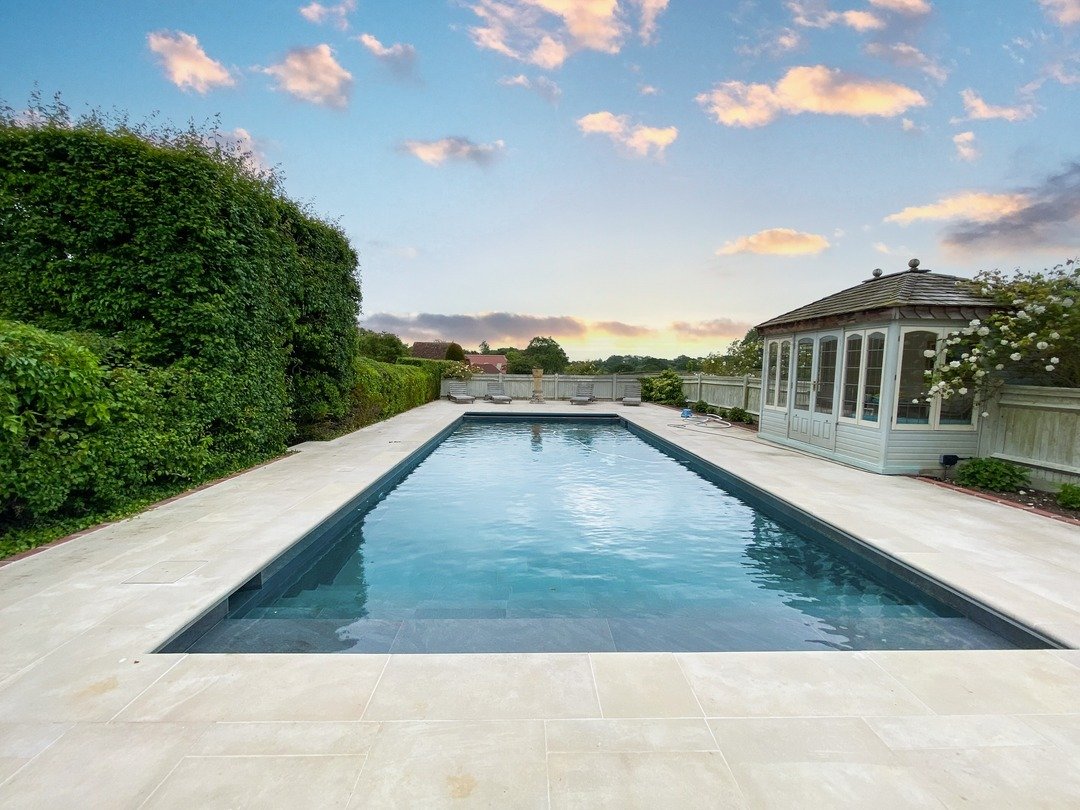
382	390
665	388
385	347
1069	496
436	371
739	415
701	406
994	474
455	352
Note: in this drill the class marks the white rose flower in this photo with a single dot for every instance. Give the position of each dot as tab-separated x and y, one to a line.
1054	360
999	366
1014	356
954	364
980	373
1067	302
984	331
914	402
1042	345
1054	335
1049	368
974	322
963	391
929	353
984	414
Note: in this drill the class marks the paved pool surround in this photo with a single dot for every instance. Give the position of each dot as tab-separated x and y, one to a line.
90	717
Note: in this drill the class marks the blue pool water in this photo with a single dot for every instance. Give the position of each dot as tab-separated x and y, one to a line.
564	536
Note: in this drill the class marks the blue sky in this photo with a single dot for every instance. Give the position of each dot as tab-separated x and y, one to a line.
628	176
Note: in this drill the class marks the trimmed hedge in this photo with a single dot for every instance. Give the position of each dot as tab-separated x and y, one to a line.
382	390
436	371
80	439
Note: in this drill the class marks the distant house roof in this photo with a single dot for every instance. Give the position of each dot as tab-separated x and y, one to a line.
488	363
913	293
430	350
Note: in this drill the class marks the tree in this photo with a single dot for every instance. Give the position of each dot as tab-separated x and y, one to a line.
546	353
742	357
484	347
384	346
583	367
516	361
455	352
1034	338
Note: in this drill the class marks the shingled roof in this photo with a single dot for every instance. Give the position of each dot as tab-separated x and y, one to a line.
430	350
911	293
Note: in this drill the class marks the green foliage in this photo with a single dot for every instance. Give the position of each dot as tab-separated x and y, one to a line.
665	388
992	473
701	406
739	415
455	353
436	370
1069	496
742	357
203	315
1033	338
385	347
79	439
545	353
517	362
585	367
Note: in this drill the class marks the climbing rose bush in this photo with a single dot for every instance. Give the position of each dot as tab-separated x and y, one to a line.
1034	337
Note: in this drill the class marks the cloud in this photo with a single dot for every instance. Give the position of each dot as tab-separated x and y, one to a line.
817	89
908	125
648	90
773	43
904	55
881	247
650	10
495	327
435	153
1063	12
720	327
638	139
816	14
541	85
776	242
909	7
407	252
971	206
186	63
241	143
1049	217
546	32
399	57
312	74
979	110
965	146
317	13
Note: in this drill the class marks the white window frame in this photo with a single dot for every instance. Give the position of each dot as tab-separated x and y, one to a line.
860	395
934	422
772	374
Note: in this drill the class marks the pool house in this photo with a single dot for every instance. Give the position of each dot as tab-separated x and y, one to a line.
843	377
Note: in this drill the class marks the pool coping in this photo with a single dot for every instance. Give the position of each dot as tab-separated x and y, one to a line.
86	713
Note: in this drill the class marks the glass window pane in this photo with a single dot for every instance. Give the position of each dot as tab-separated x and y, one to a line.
826	375
849	397
804	363
784	374
770	374
875	365
912	408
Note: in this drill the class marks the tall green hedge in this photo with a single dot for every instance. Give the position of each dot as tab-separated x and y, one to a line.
436	370
171	316
183	257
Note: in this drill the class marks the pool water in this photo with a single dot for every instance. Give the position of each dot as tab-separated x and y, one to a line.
567	536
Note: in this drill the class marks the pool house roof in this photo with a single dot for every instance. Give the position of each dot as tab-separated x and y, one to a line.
912	294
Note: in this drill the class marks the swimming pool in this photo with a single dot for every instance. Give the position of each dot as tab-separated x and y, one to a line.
581	535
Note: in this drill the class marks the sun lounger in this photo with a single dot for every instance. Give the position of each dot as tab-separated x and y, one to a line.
632	394
456	392
497	394
582	394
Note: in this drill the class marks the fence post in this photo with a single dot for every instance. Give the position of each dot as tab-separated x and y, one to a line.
746	392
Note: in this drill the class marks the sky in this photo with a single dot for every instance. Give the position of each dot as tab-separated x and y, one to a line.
627	176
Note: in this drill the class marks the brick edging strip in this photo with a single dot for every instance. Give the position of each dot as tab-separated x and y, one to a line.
986	497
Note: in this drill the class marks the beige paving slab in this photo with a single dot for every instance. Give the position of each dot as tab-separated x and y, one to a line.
89	679
21	742
294	738
165	572
987	681
1021	777
257	782
260	687
777	684
629	735
469	763
799	739
100	765
954	731
1063	730
484	687
856	785
642	685
643	780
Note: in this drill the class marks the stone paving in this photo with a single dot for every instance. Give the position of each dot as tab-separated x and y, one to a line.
89	717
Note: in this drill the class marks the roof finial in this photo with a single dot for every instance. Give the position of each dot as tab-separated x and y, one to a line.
877	272
914	266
